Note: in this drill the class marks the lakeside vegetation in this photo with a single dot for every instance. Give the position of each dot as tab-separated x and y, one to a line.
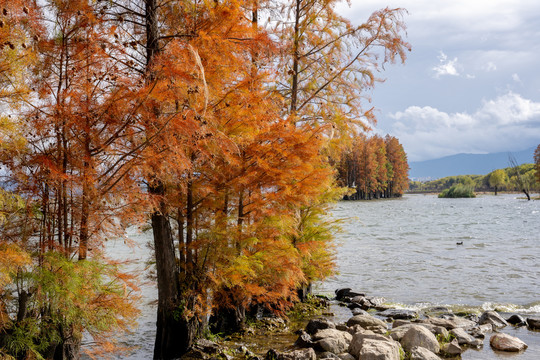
506	179
458	191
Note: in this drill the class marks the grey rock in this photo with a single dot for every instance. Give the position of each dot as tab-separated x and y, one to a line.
365	321
332	345
452	348
304	354
366	302
346	356
318	324
398	323
399	314
493	318
419	336
517	320
464	323
328	355
397	333
346	294
359	311
505	342
304	340
342	327
378	329
356	329
445	323
463	337
379	350
533	323
480	331
332	340
420	353
332	333
359	338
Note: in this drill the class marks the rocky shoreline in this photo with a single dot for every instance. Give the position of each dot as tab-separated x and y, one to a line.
378	332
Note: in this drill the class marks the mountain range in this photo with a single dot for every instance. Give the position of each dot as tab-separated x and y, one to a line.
466	164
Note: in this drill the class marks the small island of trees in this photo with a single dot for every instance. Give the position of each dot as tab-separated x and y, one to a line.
374	168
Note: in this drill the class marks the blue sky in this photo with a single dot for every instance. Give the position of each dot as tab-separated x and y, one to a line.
472	81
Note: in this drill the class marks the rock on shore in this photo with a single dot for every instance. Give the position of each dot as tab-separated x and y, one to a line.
366	336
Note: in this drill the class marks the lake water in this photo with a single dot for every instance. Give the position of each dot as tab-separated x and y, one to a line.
405	251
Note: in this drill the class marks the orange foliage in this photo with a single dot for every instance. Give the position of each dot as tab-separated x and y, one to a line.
375	168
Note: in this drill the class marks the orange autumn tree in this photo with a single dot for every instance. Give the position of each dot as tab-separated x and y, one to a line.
241	161
398	178
374	167
70	174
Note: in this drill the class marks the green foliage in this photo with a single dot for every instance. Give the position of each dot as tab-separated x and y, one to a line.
508	181
497	178
458	191
67	298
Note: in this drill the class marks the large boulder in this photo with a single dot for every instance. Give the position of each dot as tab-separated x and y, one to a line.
332	340
533	323
418	335
397	333
505	342
358	341
379	350
365	321
315	325
493	318
420	353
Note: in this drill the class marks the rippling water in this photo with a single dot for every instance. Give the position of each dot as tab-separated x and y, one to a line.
405	251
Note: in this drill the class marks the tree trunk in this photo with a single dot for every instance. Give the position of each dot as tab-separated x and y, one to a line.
296	59
70	344
174	333
170	325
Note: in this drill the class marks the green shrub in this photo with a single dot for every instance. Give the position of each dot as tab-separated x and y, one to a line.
458	191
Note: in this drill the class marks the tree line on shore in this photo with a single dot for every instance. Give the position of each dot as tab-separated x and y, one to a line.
374	168
522	178
219	128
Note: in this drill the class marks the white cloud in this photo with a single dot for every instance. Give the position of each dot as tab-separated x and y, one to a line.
516	78
506	123
490	66
445	67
